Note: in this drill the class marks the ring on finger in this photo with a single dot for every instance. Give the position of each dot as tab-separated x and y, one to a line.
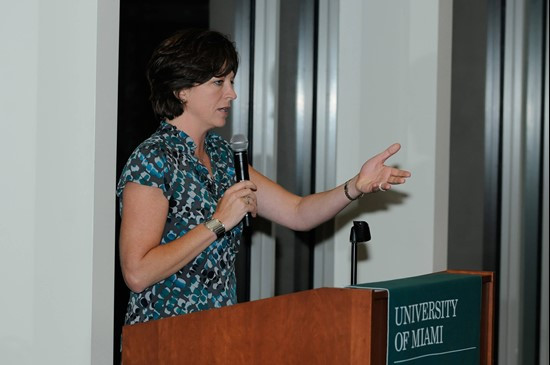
381	188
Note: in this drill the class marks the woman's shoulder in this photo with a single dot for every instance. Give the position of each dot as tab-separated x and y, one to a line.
151	155
147	165
155	146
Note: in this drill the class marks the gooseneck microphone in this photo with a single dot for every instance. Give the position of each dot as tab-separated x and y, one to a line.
360	232
239	145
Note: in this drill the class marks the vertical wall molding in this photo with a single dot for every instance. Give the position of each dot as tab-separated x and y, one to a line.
325	162
510	291
544	356
264	154
104	177
240	109
521	182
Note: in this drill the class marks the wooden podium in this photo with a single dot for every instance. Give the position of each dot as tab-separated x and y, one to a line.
320	326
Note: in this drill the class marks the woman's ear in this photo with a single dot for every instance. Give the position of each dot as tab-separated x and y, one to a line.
181	95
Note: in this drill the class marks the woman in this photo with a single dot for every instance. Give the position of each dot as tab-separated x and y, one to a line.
181	207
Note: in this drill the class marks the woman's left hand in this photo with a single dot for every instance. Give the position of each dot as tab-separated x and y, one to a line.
376	176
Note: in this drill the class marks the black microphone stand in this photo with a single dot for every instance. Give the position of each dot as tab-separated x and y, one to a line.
360	232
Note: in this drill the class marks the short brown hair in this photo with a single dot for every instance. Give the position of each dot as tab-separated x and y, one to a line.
186	59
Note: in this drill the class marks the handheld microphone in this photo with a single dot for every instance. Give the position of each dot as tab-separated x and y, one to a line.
239	145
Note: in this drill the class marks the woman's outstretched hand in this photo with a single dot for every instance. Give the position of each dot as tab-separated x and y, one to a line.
376	176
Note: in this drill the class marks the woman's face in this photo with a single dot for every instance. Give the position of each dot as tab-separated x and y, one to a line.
209	103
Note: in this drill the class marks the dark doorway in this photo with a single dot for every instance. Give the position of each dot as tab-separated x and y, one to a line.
143	24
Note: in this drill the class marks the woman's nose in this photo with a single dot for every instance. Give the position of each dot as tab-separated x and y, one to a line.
231	93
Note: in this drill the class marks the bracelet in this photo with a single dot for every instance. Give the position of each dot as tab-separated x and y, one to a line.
216	226
347	192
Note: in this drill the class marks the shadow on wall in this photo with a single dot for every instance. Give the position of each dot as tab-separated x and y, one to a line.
371	203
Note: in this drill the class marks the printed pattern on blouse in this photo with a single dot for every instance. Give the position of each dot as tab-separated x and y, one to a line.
167	161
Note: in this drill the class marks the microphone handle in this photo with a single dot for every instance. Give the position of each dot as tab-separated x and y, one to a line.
241	169
241	166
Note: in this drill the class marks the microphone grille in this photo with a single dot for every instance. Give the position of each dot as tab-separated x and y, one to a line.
239	143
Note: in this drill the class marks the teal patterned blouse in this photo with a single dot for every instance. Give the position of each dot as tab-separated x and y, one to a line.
167	161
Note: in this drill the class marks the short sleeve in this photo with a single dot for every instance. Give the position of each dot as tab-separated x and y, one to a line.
146	166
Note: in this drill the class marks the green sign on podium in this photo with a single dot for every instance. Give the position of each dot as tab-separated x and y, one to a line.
433	319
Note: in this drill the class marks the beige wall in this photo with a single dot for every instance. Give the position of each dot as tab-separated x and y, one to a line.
394	86
58	130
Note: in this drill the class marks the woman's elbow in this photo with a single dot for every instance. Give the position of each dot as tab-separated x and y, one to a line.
305	225
134	281
301	226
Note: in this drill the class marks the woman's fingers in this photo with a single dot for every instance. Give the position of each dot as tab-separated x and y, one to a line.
388	152
236	202
398	176
251	203
245	184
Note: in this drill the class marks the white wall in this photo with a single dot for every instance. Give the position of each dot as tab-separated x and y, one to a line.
58	131
394	86
18	120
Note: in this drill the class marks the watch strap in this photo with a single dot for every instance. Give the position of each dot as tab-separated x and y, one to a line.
216	226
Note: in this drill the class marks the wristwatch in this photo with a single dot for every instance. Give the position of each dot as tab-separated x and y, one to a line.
215	226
